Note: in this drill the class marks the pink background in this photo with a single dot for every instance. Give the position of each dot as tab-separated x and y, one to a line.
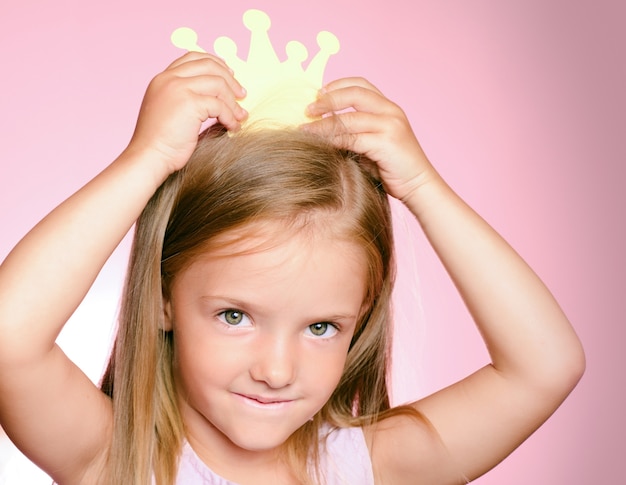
521	106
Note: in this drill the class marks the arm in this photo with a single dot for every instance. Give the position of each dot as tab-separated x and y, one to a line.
536	357
47	405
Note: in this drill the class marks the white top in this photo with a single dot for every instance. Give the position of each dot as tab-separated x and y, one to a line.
345	460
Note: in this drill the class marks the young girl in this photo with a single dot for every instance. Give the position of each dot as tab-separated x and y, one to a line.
253	334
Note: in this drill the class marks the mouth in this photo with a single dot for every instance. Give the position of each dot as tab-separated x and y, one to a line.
264	402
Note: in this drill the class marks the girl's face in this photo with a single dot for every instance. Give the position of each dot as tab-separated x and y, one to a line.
261	337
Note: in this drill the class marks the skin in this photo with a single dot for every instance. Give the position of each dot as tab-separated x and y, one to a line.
278	324
63	422
536	357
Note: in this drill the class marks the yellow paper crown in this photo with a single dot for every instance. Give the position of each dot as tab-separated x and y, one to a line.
277	92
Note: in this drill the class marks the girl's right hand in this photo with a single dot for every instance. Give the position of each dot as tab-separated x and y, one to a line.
193	89
44	397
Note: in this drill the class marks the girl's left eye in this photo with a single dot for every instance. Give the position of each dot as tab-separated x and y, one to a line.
322	329
234	318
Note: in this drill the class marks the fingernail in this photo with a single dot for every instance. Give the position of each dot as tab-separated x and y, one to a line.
243	114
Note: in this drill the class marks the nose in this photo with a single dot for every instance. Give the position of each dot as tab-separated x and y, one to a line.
274	362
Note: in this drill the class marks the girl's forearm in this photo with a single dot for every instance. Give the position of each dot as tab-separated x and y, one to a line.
526	332
46	276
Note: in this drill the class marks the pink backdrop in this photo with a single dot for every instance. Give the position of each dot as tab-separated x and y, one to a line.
521	105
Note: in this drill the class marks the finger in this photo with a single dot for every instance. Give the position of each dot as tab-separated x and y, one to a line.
349	123
192	56
362	143
212	107
350	81
345	129
334	131
356	97
208	66
218	87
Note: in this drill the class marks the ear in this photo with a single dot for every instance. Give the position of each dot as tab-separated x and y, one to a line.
166	321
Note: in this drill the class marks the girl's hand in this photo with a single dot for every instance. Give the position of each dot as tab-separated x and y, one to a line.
373	126
193	89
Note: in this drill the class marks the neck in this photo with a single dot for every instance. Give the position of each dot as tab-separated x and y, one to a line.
245	467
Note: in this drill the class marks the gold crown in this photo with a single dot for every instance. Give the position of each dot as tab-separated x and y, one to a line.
277	92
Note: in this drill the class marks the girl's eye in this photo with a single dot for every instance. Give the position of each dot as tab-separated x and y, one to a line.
322	329
234	318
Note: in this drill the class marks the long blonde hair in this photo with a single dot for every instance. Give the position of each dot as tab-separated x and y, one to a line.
230	182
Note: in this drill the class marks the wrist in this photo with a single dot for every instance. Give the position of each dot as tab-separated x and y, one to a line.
426	191
150	162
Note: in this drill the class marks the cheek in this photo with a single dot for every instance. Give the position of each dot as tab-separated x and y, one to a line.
198	361
324	372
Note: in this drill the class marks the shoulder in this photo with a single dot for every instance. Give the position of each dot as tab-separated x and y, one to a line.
406	449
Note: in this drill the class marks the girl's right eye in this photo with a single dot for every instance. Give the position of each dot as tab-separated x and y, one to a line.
234	318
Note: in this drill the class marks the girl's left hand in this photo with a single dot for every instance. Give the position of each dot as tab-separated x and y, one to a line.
369	123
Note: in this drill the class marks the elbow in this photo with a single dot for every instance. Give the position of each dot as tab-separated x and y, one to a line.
565	369
550	367
576	366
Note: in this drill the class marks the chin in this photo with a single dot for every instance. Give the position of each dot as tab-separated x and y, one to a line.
260	439
258	443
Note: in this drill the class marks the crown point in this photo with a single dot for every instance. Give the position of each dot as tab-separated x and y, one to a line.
328	42
186	38
278	91
225	47
256	20
296	52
